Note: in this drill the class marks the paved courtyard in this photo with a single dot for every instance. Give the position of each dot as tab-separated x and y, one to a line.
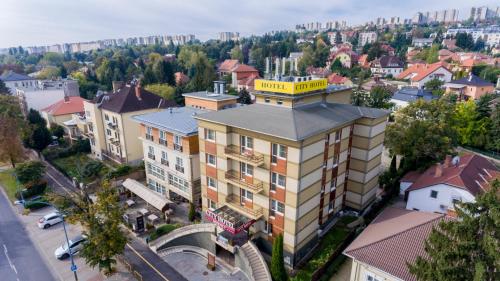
194	268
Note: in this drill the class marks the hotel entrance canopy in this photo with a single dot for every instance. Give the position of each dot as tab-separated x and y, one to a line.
229	220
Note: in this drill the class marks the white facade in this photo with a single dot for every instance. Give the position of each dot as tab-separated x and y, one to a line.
395	71
490	35
367	38
23	85
441	73
423	199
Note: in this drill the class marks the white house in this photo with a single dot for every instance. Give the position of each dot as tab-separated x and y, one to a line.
419	74
15	81
459	179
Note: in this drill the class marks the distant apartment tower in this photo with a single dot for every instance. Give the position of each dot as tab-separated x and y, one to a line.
443	16
229	36
483	13
367	38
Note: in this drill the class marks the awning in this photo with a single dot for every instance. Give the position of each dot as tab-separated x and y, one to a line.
152	198
229	220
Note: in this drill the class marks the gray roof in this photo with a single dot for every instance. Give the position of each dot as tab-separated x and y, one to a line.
291	123
13	76
179	120
412	94
210	96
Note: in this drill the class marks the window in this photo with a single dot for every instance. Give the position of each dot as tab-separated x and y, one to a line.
209	134
178	143
277	180
337	136
278	150
106	117
372	277
434	194
211	160
155	171
335	160
149	133
179	165
245	194
277	206
212	205
151	152
211	183
279	102
155	186
163	138
179	183
330	206
246	143
246	170
164	158
333	184
267	100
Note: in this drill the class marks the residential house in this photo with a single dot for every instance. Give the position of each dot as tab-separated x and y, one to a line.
363	61
404	96
422	42
419	74
458	179
318	72
450	44
62	111
411	54
336	79
367	38
393	239
387	65
15	81
266	169
444	55
110	128
347	57
241	73
215	100
226	67
388	49
471	87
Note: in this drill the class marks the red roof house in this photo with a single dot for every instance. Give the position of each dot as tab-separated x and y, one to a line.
62	110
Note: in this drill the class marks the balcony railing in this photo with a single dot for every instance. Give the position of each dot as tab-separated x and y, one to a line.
179	168
151	156
233	201
234	152
162	142
164	162
150	137
178	147
234	178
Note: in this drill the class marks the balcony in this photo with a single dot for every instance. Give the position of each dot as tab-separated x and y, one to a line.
164	162
233	202
177	147
150	137
151	156
233	177
234	152
179	168
163	142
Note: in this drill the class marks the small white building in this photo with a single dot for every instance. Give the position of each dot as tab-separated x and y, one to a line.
419	74
367	38
15	81
459	179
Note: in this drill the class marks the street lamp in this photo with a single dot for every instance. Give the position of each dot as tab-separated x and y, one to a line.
23	202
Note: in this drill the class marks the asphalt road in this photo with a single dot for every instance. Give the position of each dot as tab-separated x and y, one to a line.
19	258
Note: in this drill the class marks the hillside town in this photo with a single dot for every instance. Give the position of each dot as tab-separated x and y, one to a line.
328	151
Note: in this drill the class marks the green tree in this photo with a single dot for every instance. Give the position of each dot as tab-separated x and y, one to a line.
192	212
432	54
3	89
244	97
35	118
494	133
338	37
178	97
11	125
237	54
57	131
435	86
359	97
278	271
471	129
30	172
49	72
483	106
465	248
336	65
163	90
306	60
379	98
37	137
423	132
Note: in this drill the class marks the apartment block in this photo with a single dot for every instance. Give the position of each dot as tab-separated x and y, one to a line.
170	145
110	128
289	163
367	38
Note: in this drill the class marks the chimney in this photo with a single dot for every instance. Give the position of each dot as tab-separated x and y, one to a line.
66	99
138	90
470	77
439	170
117	85
447	161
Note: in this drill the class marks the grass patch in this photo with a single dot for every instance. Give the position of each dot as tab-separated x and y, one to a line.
73	167
8	181
329	243
162	230
345	220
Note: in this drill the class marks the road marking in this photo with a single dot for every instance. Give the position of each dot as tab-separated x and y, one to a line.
8	258
150	265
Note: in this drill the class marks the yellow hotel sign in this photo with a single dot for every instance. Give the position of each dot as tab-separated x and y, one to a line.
291	88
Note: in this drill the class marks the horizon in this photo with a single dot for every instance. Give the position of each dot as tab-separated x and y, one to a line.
91	20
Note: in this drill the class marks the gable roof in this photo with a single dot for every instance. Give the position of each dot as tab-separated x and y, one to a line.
472	173
389	62
420	71
394	237
472	80
228	65
244	68
335	78
125	100
68	105
13	76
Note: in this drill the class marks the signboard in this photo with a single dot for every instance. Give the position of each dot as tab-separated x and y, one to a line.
211	261
225	224
140	223
291	88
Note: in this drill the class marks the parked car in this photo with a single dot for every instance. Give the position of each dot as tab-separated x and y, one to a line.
49	220
75	244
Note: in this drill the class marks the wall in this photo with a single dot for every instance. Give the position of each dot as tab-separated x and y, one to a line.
361	271
442	71
420	199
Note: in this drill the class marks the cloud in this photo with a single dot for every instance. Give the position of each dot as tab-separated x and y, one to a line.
35	22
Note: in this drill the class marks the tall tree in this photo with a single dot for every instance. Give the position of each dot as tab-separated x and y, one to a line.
30	172
35	118
494	132
3	89
11	148
278	271
379	98
465	248
435	86
472	130
244	97
237	54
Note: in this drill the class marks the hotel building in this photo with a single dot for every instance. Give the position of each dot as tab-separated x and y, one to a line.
289	163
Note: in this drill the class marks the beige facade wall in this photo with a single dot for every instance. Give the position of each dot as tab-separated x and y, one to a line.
360	272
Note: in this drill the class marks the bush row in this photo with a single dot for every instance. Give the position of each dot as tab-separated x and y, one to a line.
79	146
33	190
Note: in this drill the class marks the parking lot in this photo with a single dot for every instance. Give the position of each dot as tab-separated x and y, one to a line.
47	240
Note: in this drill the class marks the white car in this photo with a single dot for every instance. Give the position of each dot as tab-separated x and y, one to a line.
75	244
49	220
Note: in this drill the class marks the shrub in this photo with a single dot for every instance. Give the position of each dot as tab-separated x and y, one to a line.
35	205
162	230
121	170
33	190
92	168
278	270
30	172
192	212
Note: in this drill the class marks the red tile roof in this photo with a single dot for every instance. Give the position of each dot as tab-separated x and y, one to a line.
411	176
181	78
63	107
249	81
472	173
394	238
335	78
421	71
244	68
228	65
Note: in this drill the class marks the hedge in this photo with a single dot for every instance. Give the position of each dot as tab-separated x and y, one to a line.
33	190
35	205
162	230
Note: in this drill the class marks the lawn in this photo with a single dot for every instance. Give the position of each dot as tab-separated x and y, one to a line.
73	166
329	243
8	182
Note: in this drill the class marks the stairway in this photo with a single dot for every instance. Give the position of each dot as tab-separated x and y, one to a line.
260	272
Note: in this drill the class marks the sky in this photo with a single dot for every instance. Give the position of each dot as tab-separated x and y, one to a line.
45	22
